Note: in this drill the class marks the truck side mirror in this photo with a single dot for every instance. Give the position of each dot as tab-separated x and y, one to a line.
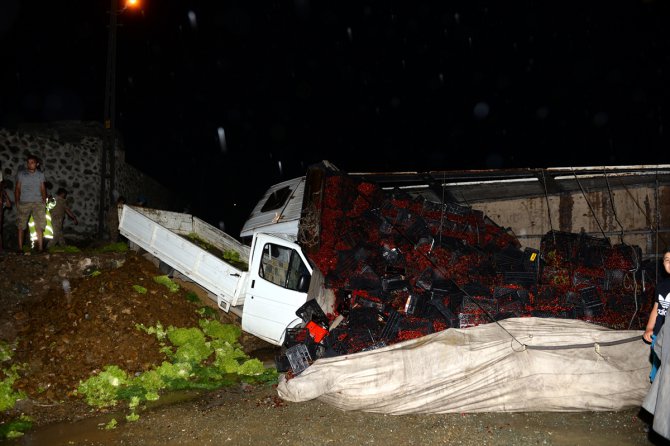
303	283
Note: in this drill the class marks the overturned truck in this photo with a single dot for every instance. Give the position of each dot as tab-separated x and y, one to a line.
352	265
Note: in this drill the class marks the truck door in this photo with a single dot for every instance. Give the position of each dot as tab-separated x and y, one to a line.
278	281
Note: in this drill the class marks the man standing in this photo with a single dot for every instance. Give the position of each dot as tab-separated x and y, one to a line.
58	213
4	203
30	195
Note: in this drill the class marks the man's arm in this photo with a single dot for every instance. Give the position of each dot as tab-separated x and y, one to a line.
649	330
71	215
43	190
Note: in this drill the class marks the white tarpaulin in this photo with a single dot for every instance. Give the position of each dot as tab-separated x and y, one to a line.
521	365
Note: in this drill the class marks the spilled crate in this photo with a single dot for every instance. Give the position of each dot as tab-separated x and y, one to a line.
298	357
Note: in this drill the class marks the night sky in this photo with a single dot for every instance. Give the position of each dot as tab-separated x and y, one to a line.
225	98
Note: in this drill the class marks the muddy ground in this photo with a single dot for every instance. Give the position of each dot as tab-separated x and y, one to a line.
64	338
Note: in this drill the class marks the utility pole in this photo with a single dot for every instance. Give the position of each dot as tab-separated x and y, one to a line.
108	157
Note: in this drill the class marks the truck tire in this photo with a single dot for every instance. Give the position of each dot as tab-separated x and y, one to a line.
165	269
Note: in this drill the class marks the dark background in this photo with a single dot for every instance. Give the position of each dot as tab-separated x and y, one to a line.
368	85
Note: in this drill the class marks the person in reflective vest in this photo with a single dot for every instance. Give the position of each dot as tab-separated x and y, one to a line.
48	228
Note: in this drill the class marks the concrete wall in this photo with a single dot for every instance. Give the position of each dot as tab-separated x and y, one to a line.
632	212
70	154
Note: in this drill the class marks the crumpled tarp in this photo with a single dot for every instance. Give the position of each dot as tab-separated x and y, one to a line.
515	365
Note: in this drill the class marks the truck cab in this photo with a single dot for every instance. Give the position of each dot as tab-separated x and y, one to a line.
278	281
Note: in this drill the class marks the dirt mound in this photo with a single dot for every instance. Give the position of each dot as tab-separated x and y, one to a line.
62	338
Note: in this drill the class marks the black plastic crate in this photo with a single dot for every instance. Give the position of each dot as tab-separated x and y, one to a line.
391	325
476	289
425	279
296	335
366	279
299	358
445	311
466	320
571	298
614	278
520	278
374	346
591	302
417	231
514	307
451	299
416	324
457	209
531	260
446	208
479	304
311	311
416	304
394	282
341	341
346	263
567	313
505	293
509	259
565	244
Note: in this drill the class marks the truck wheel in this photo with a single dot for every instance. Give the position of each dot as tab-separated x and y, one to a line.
282	363
165	269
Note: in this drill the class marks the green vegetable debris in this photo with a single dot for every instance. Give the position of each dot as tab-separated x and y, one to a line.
169	284
205	357
140	289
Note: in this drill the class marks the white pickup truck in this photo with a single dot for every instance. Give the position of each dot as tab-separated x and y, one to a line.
266	295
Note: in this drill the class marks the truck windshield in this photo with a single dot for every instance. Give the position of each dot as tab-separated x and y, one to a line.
284	267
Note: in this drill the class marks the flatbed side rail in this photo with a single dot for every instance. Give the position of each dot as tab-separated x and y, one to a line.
205	269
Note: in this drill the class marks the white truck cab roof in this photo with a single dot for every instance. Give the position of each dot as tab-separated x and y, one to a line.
278	211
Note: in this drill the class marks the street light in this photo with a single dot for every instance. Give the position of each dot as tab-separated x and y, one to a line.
107	159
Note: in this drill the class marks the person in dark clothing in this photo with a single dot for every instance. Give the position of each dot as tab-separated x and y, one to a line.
5	202
58	214
658	312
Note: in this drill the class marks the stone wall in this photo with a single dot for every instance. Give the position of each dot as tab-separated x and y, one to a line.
70	153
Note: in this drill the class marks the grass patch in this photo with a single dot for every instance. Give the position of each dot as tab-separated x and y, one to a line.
68	249
114	247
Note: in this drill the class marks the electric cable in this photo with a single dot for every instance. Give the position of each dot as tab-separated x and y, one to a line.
546	197
589	204
616	218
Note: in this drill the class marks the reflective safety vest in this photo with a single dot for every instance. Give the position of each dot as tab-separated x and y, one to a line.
48	231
